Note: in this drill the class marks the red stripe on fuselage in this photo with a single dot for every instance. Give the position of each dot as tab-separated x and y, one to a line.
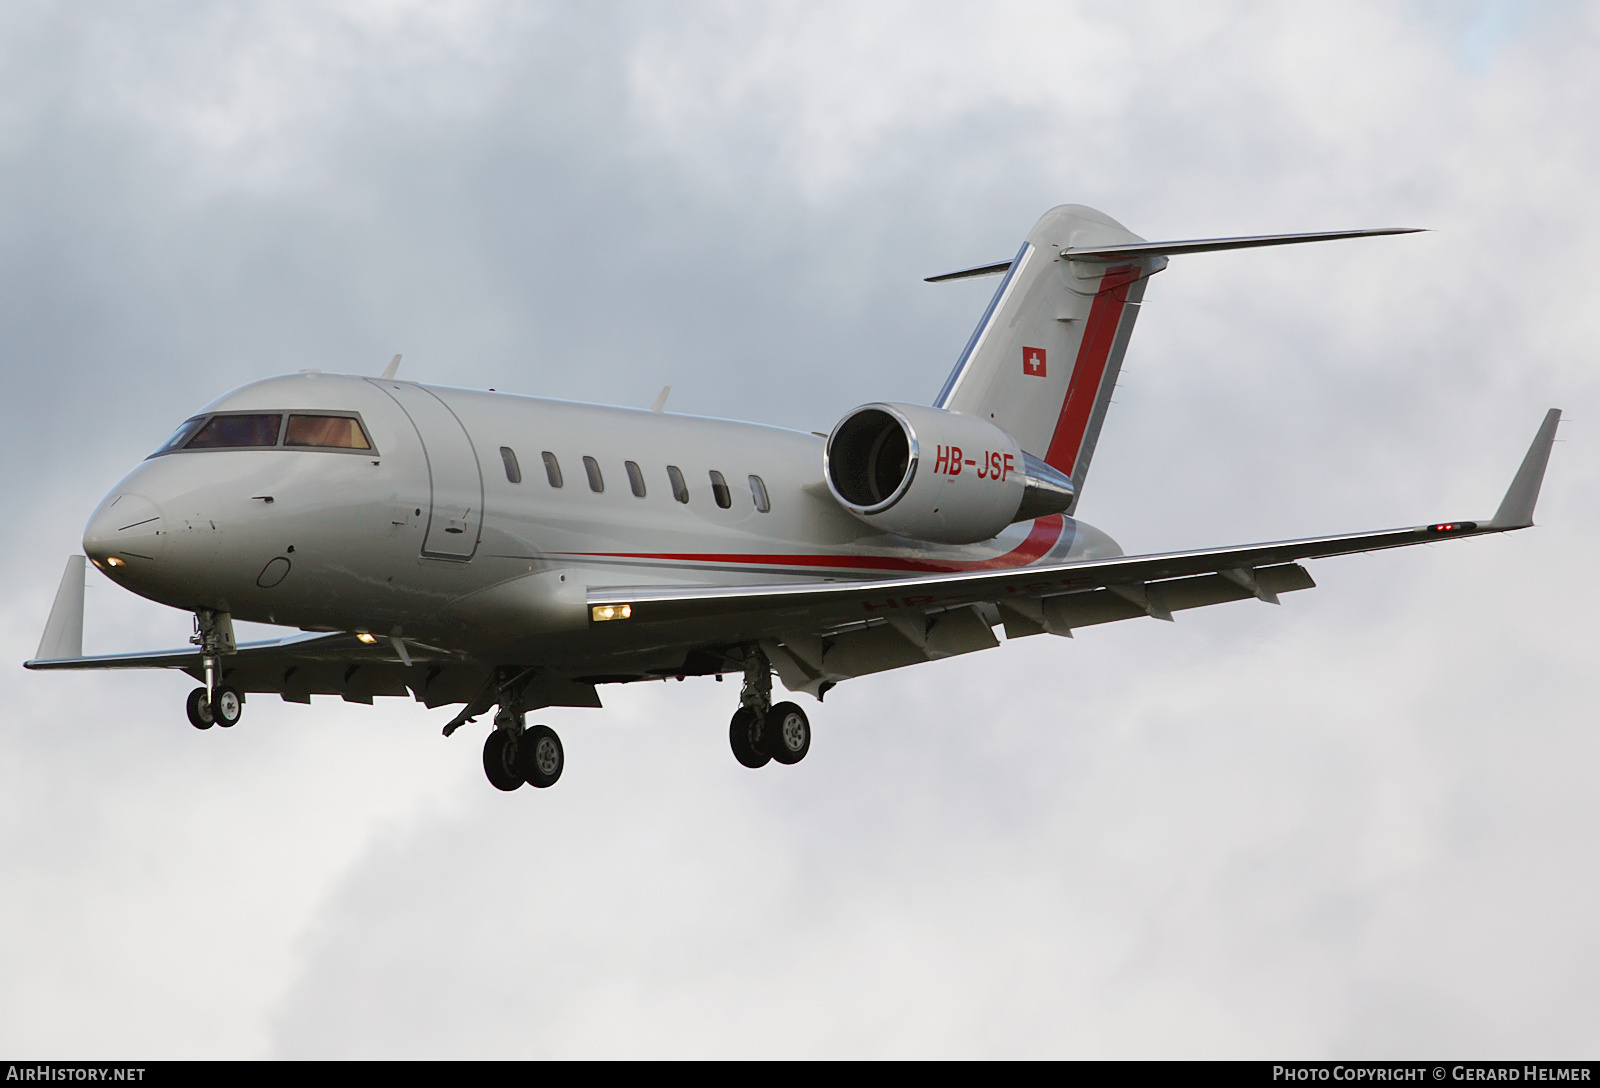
1099	334
1046	532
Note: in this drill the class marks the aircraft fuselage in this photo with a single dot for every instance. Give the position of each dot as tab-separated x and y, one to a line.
449	528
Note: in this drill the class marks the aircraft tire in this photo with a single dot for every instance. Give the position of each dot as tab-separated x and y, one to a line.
787	733
500	761
744	736
227	708
540	757
199	709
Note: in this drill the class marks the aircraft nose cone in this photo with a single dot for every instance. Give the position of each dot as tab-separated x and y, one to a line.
127	529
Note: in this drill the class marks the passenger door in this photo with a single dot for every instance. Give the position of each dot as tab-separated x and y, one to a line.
455	518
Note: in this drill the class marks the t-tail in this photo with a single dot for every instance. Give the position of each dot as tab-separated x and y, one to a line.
1044	359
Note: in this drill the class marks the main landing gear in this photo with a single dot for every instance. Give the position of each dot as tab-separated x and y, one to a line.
514	754
761	730
214	704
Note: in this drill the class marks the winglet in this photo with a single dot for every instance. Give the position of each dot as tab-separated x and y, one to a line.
63	632
1516	509
392	369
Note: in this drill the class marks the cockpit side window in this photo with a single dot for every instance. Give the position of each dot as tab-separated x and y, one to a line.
181	435
233	431
329	432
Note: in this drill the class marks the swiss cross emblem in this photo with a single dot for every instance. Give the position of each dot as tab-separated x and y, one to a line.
1033	361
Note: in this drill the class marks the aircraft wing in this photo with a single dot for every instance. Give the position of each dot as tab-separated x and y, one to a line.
819	632
188	658
296	666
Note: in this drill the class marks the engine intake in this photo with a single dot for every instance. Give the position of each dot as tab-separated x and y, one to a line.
937	475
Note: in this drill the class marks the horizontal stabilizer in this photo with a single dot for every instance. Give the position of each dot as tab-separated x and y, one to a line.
1516	509
970	273
1212	245
1165	249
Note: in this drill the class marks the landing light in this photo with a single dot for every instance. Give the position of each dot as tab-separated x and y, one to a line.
611	612
366	638
115	562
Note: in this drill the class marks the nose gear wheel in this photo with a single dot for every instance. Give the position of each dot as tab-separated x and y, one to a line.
199	708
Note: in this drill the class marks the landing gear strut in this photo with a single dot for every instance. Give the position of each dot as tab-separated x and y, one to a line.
761	732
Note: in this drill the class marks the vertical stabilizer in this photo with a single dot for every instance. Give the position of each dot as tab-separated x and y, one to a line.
63	632
1044	359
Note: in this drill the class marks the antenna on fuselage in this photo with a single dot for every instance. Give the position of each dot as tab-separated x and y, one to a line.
392	369
660	405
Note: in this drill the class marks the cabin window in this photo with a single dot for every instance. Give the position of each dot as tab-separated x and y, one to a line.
591	468
225	431
330	432
552	468
719	490
758	492
680	490
513	470
635	477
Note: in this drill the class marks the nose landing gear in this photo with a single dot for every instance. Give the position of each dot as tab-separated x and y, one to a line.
214	704
761	731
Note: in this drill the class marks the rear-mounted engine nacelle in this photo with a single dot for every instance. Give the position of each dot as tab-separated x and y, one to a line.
935	475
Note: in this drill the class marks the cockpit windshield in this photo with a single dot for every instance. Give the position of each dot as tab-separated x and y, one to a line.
338	432
181	435
265	430
231	431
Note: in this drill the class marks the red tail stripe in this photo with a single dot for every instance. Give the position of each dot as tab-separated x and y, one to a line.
1044	535
1099	334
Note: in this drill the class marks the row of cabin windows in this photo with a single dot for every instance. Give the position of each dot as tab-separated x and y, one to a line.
680	488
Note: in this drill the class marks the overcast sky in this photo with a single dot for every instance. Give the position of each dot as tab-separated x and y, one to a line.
1362	824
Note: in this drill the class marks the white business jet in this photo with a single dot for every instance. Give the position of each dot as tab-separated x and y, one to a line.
506	553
